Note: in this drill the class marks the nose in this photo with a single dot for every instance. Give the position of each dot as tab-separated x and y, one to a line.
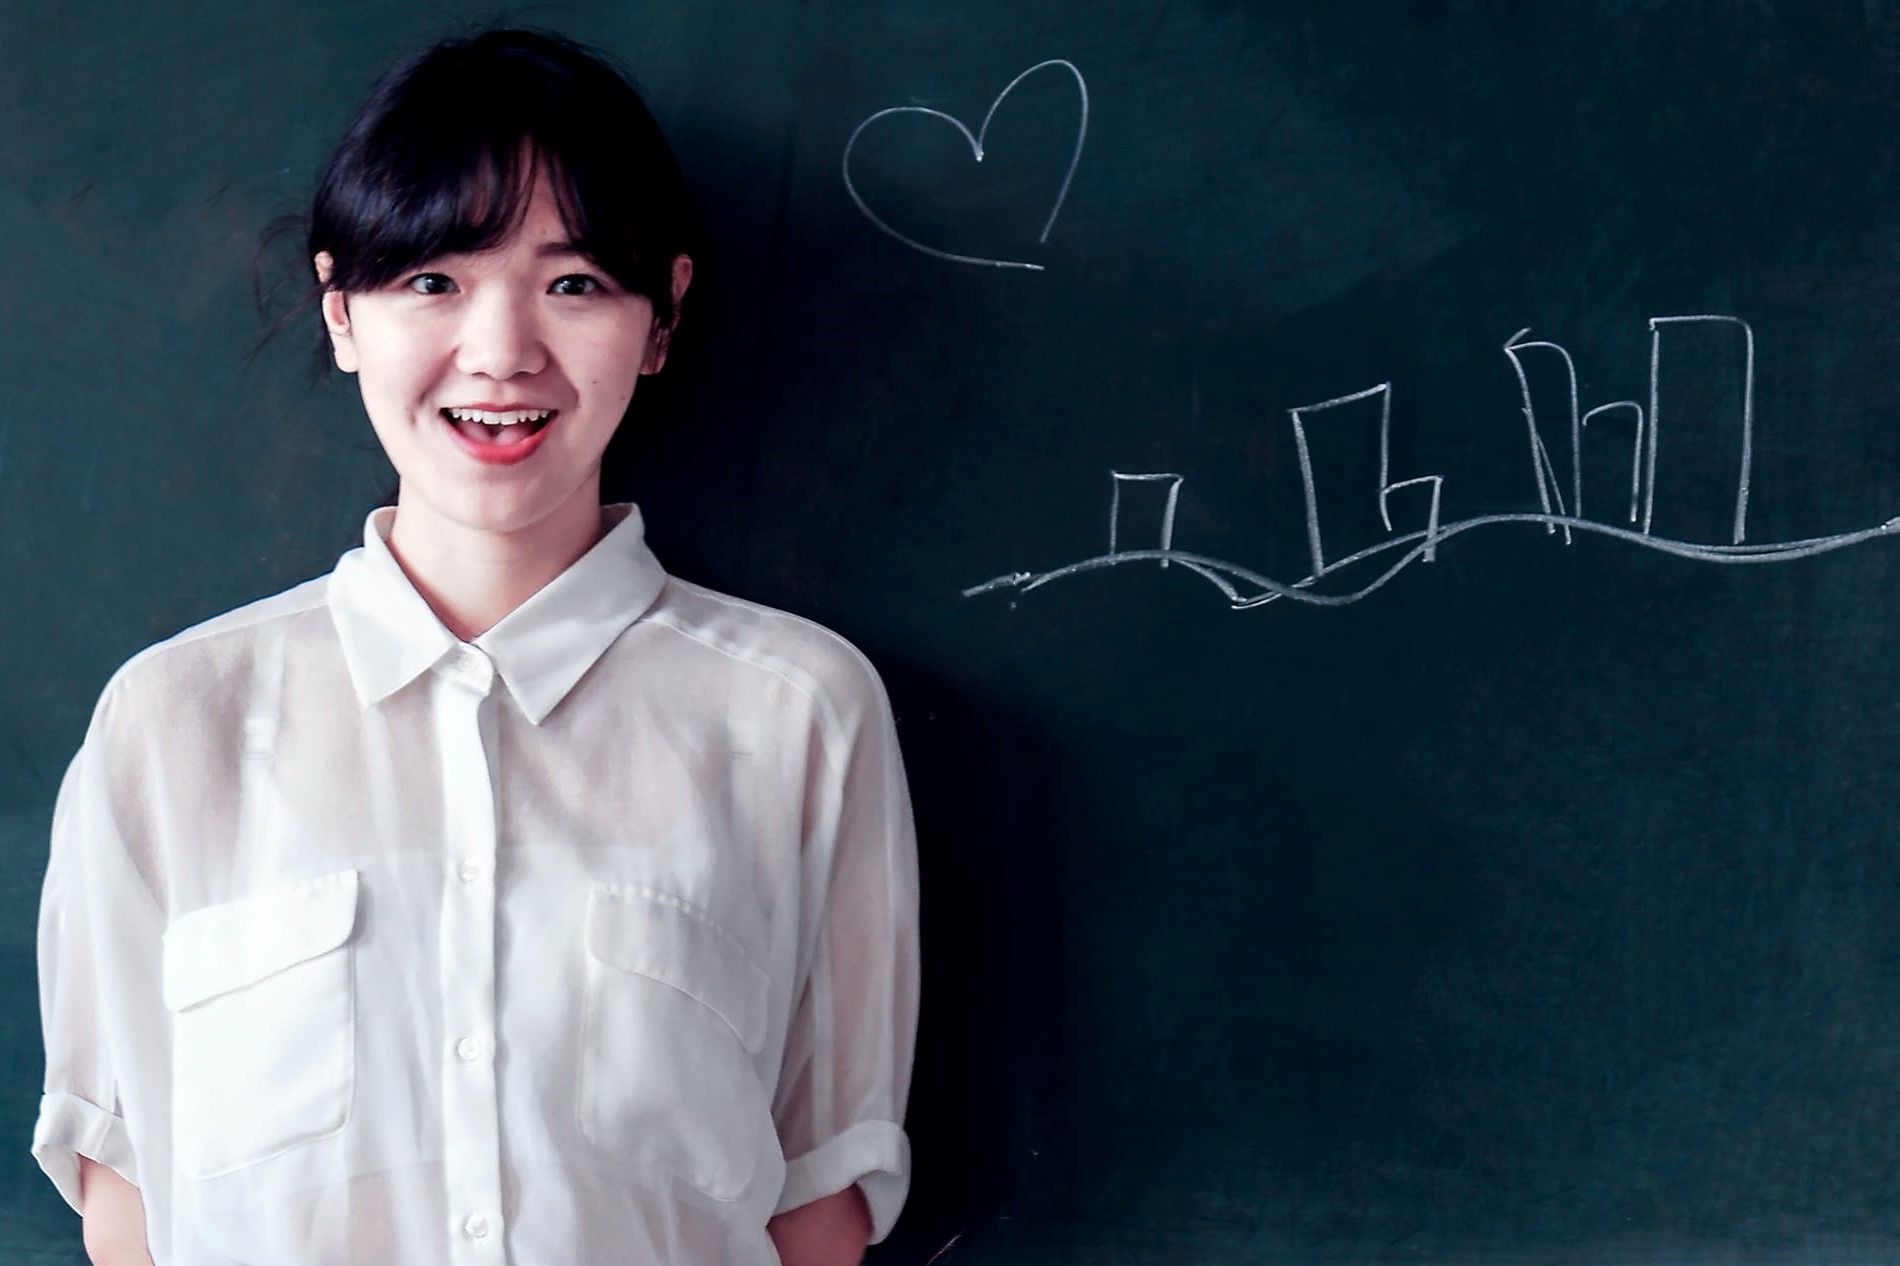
500	336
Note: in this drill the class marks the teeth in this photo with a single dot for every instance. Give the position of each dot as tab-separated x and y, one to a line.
498	419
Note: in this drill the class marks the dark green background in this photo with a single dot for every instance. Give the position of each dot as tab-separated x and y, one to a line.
1541	907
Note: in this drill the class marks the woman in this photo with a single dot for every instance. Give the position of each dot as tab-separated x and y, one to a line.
496	897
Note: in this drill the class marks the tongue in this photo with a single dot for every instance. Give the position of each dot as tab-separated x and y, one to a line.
500	436
476	431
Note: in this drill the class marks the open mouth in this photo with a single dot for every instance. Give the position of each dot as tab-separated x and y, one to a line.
506	431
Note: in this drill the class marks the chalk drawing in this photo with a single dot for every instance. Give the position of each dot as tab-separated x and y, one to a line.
976	149
1244	588
1547	494
1636	449
1655	409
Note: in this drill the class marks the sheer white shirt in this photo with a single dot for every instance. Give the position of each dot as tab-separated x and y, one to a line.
591	940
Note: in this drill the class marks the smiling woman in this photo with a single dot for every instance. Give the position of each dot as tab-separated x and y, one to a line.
461	238
614	958
431	346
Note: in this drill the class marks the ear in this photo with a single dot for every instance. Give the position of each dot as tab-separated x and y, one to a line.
661	337
336	316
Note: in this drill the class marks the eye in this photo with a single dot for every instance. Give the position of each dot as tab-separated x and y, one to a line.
583	278
427	277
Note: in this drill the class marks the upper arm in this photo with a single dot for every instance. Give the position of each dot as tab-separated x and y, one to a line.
97	946
852	1031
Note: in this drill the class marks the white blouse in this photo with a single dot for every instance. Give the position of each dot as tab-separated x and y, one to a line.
593	940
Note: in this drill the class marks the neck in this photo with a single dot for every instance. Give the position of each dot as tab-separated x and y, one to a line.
472	576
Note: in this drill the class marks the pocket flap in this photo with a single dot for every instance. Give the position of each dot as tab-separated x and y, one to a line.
640	929
220	948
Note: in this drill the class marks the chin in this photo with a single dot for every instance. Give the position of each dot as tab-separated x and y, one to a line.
483	509
510	508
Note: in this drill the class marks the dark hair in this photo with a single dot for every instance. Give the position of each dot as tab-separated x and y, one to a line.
442	156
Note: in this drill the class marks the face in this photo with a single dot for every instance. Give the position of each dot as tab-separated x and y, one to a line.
528	327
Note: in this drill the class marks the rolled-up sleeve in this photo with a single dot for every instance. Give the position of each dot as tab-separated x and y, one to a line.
95	922
852	1033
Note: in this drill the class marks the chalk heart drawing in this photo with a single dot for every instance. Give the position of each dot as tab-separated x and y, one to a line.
976	150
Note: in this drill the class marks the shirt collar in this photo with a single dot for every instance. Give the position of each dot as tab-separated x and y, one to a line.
391	635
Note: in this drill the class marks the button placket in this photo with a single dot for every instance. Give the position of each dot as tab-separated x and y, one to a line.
471	1117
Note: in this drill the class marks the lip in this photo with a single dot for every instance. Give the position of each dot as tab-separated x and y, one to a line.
491	454
519	406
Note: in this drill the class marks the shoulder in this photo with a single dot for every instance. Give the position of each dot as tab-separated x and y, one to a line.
207	662
818	662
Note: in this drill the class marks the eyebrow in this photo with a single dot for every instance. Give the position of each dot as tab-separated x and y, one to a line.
560	249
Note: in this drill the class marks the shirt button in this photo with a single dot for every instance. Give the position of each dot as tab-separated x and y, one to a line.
472	668
468	872
468	1048
476	1226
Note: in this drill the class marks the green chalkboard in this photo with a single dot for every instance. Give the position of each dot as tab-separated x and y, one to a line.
1374	518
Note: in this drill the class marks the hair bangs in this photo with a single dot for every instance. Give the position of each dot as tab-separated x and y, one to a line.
443	157
451	182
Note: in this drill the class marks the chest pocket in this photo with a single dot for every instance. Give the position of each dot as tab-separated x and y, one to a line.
263	1025
675	1011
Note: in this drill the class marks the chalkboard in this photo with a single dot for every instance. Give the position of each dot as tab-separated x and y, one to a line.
1375	518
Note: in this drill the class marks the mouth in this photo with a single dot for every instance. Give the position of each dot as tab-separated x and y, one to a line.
498	436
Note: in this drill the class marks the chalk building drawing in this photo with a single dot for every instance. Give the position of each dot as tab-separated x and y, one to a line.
1560	501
